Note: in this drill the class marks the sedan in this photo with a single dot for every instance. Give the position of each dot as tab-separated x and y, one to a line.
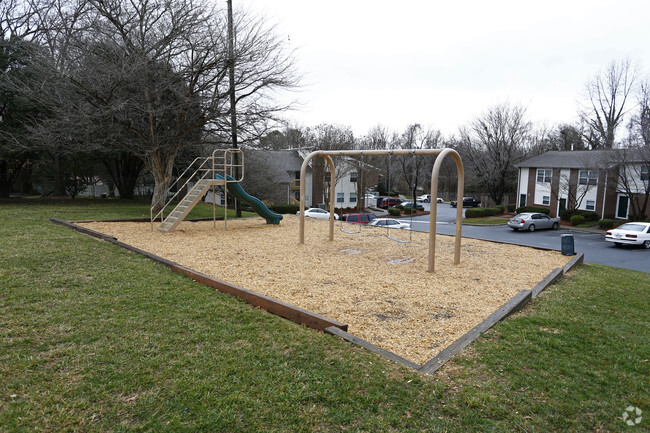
390	223
532	221
630	233
315	212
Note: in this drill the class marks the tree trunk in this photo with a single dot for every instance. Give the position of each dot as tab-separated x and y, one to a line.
162	175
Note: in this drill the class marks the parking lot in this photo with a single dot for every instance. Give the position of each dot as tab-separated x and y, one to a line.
593	245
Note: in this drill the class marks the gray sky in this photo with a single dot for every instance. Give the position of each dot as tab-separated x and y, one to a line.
441	64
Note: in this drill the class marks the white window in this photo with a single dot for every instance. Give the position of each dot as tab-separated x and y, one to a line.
591	205
340	197
544	175
353	197
587	177
353	176
546	200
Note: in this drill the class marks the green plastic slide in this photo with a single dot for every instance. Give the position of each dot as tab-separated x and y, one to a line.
260	208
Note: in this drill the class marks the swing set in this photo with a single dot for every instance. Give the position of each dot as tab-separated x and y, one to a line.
359	223
440	153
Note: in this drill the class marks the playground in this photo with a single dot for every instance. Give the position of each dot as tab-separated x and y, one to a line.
379	287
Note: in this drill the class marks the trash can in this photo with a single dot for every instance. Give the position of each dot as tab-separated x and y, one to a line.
567	245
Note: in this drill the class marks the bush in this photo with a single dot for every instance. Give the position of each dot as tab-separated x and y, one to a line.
576	220
533	209
285	208
510	207
590	216
565	215
393	211
502	208
605	224
491	211
475	212
409	210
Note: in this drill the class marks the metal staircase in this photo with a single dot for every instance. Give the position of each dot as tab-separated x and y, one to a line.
223	162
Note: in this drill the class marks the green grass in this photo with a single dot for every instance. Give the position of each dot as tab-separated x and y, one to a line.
486	221
95	338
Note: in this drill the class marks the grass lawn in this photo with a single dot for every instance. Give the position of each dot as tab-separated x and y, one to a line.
95	338
486	221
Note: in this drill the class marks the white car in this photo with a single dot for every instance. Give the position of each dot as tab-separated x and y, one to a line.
636	233
318	213
426	198
390	223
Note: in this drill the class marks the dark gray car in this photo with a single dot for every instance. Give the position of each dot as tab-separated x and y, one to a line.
532	221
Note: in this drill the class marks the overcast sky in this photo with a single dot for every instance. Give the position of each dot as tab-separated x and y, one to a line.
442	64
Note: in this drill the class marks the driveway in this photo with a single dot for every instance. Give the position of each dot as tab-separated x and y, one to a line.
593	245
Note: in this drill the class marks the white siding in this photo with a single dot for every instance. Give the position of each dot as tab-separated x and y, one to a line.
523	183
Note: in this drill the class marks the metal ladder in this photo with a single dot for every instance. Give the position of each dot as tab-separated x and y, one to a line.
223	162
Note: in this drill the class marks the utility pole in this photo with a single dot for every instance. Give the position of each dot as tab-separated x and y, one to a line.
233	101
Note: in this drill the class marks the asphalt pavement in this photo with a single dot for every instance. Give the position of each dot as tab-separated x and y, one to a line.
591	242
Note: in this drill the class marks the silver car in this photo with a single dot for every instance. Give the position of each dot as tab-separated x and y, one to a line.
390	223
532	221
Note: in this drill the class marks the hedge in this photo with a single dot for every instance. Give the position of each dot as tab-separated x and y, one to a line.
606	224
491	211
285	208
576	220
393	211
475	212
533	209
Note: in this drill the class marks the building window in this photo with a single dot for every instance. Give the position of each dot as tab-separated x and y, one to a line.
587	177
645	172
591	205
340	197
546	200
353	197
544	175
353	176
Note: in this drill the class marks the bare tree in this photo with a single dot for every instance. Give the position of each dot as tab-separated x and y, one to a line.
328	137
633	177
151	78
607	95
492	144
414	169
633	161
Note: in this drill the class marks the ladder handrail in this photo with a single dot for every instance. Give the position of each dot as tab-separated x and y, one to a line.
160	212
222	162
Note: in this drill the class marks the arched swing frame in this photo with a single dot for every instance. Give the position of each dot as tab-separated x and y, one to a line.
441	154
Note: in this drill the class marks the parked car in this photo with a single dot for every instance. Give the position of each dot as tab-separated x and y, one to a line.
467	202
407	204
636	233
389	202
363	218
391	223
380	200
532	221
439	200
426	198
318	213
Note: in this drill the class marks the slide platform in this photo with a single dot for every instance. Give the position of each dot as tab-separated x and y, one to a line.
260	208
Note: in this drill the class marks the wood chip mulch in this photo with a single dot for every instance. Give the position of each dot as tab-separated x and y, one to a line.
379	287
